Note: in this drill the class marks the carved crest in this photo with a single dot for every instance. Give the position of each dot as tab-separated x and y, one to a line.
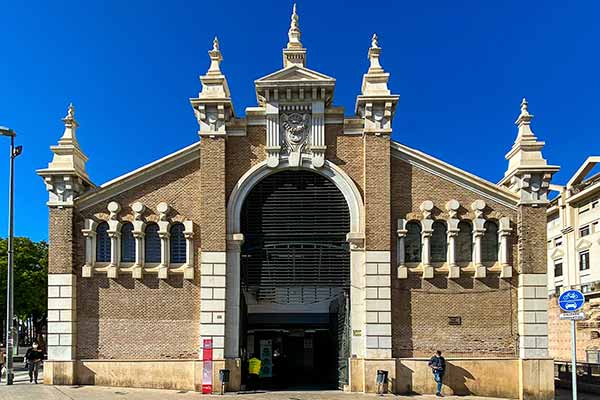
295	130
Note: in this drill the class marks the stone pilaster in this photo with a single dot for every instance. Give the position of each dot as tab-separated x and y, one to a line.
378	326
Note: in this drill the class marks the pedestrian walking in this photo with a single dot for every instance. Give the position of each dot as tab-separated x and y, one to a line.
1	361
437	363
254	365
34	358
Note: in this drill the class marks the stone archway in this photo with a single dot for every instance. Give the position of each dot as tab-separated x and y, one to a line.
235	239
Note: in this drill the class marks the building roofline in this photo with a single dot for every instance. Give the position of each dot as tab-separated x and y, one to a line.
139	176
456	175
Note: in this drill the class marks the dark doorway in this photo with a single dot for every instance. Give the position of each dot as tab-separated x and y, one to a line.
295	265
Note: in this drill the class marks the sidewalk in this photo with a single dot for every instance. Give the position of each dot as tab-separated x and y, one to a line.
22	390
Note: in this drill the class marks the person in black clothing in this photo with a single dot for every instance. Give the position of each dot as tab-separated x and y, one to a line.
34	359
437	363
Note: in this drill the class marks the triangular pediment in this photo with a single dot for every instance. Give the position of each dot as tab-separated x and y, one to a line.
583	244
294	73
557	253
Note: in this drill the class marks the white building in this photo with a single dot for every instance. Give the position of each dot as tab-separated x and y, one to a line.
574	233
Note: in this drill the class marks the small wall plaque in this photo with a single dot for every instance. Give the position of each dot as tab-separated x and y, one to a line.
454	321
357	332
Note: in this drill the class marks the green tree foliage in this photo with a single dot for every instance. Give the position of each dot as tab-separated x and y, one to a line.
31	279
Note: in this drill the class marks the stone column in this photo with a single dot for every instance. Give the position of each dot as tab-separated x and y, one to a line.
378	327
401	269
503	256
62	289
536	378
453	269
233	292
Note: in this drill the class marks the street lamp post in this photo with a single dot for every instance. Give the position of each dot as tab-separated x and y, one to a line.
10	328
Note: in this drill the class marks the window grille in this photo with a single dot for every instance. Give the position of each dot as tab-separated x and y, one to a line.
178	244
152	244
412	242
102	243
464	242
127	243
489	242
295	225
439	242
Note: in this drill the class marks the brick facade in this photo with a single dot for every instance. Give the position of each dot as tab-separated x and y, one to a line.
61	240
421	308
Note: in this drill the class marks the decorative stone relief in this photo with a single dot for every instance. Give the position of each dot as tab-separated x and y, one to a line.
295	128
114	268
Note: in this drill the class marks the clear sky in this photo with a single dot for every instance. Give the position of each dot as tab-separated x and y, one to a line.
460	68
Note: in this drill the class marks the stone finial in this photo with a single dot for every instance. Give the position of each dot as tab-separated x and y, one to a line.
138	210
426	208
163	209
71	125
113	209
452	207
215	58
374	53
526	163
478	206
294	32
66	176
524	123
294	54
374	42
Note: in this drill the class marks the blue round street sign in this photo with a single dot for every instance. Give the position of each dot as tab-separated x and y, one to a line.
571	300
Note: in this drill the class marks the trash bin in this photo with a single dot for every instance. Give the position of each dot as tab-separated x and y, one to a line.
381	380
224	378
382	377
224	375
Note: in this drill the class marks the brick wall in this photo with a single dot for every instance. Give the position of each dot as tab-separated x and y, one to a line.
420	308
60	234
346	151
377	191
149	318
213	215
138	319
532	225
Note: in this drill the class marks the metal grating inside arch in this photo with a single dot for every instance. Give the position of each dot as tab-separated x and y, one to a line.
295	250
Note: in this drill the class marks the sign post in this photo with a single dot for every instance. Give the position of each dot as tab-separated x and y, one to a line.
570	302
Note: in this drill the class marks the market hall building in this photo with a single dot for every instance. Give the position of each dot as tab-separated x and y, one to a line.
307	237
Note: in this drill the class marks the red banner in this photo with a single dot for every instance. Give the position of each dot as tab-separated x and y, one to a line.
207	358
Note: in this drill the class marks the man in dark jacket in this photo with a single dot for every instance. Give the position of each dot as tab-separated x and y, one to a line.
34	359
437	363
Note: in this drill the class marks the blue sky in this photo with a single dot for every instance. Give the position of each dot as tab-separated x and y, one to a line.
461	69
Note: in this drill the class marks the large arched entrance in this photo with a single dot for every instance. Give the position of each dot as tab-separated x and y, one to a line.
295	279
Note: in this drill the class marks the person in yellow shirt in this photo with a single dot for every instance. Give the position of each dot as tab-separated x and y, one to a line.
254	365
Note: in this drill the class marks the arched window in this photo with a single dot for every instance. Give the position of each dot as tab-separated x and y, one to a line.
412	242
489	242
178	245
464	242
127	243
102	243
152	244
439	242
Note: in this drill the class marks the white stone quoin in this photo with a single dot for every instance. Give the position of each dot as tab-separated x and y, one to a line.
62	317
